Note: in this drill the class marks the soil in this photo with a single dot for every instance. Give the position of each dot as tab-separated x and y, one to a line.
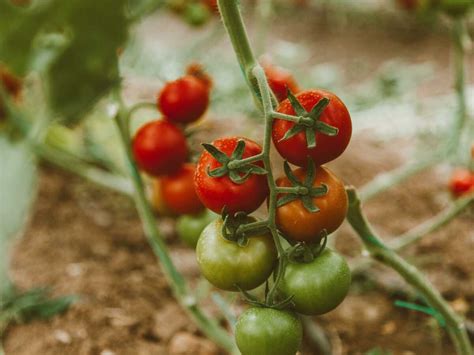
88	241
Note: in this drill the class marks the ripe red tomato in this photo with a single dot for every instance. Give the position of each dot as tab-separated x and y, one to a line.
328	148
461	182
159	148
280	80
299	224
11	84
215	193
178	191
157	201
184	100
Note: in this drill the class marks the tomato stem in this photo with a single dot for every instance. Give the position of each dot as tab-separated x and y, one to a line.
382	253
236	164
174	277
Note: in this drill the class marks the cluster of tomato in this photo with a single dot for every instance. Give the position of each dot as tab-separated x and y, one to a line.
316	279
451	7
160	149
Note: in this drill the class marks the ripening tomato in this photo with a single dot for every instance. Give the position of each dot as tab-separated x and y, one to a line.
461	182
190	227
280	81
184	100
319	286
11	84
159	148
217	192
226	264
178	191
295	149
157	201
299	224
267	331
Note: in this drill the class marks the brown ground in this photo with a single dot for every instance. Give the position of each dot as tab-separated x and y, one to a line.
87	241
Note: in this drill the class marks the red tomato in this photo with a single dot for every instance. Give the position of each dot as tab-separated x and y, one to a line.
328	148
408	4
461	182
280	80
11	84
178	191
215	193
211	5
184	100
157	201
159	148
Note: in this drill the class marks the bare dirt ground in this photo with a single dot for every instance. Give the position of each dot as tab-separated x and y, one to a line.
88	241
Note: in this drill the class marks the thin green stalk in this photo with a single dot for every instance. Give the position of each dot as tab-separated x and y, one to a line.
412	275
174	277
431	225
460	36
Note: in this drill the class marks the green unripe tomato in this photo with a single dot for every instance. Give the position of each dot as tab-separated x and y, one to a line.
455	8
267	331
318	286
190	227
225	263
197	14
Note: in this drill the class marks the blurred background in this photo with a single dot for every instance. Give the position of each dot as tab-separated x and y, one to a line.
393	67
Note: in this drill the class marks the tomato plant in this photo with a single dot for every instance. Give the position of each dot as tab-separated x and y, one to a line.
298	223
184	100
159	148
317	286
456	7
461	182
178	191
267	331
228	265
190	227
280	81
217	192
323	132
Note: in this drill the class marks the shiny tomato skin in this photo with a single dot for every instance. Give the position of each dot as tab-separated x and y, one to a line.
295	149
159	148
184	100
318	286
280	80
190	227
215	193
179	193
225	263
461	182
301	225
267	331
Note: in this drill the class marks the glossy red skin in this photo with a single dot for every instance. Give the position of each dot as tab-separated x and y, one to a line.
178	191
184	100
280	80
215	193
295	149
159	148
461	182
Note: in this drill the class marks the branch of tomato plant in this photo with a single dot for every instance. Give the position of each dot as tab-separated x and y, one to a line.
177	282
382	253
460	42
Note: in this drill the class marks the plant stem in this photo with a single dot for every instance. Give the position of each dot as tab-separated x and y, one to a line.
460	36
235	164
175	279
412	275
384	181
429	226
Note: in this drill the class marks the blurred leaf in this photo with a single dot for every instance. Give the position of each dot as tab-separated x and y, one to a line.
78	39
17	189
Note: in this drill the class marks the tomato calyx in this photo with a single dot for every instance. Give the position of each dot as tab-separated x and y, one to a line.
309	122
238	169
239	227
254	301
303	190
306	253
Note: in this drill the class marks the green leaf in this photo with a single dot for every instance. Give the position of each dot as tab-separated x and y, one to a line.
18	177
